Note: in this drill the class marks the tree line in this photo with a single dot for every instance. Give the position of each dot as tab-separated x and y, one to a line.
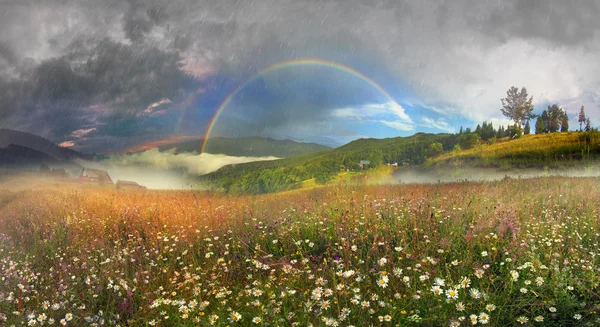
518	106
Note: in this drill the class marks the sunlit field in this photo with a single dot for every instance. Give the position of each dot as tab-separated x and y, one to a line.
507	253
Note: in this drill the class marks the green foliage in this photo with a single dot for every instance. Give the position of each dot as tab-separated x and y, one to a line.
324	165
588	126
436	149
548	149
487	131
527	129
517	106
468	140
555	119
326	172
375	158
514	131
564	123
539	125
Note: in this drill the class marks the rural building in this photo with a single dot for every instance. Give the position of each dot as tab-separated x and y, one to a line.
364	163
95	176
129	185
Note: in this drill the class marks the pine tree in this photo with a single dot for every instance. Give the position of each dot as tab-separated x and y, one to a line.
500	133
581	119
588	126
546	121
527	129
555	118
539	125
564	122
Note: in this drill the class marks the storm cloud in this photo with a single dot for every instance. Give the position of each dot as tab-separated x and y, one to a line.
139	70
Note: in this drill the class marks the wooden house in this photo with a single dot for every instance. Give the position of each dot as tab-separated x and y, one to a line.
95	176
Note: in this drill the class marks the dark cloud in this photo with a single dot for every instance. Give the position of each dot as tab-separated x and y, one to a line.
129	75
7	54
559	22
103	62
94	80
141	18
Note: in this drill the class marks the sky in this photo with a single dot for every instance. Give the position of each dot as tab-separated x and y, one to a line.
108	75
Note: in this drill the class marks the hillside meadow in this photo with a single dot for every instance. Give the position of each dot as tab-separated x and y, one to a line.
507	253
556	150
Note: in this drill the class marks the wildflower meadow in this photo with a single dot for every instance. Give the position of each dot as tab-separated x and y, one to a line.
507	253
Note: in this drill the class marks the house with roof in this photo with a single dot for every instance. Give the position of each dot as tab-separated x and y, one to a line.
95	176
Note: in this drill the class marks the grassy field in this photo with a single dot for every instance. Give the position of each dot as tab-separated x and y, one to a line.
514	252
538	150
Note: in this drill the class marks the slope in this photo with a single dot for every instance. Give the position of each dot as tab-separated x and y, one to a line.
277	175
39	144
539	150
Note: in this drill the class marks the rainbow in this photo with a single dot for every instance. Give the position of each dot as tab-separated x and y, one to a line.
284	64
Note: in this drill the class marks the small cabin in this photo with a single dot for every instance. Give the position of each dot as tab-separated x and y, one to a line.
95	176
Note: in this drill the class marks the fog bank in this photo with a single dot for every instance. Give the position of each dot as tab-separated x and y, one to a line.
419	176
166	170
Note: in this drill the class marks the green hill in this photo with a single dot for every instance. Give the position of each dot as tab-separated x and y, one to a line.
277	175
539	150
425	151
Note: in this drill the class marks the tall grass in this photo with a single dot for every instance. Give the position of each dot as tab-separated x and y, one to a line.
496	253
539	150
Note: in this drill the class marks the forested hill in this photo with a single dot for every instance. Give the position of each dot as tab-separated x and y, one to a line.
271	176
474	149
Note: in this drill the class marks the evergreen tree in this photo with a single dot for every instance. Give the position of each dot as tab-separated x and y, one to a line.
500	133
581	119
556	118
564	122
553	116
490	131
539	125
588	126
527	129
546	120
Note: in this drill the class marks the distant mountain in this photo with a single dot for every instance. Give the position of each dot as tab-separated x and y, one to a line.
16	156
39	144
247	147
